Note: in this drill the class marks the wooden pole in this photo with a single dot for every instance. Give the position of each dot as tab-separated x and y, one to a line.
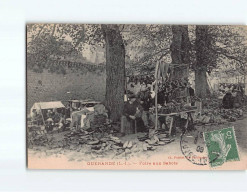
42	115
245	81
156	105
156	94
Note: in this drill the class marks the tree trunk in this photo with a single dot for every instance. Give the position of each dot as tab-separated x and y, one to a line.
180	45
201	83
115	71
201	44
245	84
180	49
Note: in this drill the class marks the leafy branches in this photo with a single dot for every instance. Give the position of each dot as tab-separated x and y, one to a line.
215	46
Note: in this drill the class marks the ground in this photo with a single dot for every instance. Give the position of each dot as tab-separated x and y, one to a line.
83	153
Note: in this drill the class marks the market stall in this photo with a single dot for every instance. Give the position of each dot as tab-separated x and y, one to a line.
43	118
182	104
169	86
44	107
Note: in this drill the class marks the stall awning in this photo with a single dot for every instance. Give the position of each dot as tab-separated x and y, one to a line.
46	105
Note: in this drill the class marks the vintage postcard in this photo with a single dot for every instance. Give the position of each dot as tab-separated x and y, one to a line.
136	97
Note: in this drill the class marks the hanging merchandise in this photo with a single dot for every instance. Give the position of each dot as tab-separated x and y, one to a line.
172	90
163	70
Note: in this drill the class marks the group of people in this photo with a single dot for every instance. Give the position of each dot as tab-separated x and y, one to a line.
224	87
50	118
136	113
36	117
232	99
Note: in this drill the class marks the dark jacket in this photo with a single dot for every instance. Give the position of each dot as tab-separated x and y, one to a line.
56	118
191	91
130	109
228	101
145	96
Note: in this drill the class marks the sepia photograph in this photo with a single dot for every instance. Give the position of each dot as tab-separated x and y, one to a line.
123	96
136	97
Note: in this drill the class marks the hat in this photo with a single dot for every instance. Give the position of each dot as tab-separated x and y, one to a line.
49	120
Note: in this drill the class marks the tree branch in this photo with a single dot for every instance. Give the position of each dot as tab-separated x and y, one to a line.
224	53
152	54
53	31
42	27
78	41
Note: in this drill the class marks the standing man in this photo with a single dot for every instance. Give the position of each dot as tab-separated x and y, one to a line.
191	94
130	114
144	97
67	111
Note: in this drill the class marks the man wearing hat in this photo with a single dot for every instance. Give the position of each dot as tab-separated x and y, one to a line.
144	97
130	113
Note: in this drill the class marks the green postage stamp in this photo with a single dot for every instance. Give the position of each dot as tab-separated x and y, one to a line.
222	146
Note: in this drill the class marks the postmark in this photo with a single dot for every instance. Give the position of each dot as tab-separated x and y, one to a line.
221	146
193	147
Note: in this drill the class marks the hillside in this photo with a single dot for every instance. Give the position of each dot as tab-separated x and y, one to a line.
48	86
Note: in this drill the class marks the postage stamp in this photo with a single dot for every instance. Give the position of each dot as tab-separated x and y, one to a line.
222	146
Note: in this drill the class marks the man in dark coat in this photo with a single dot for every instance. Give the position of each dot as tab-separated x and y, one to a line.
191	94
131	113
144	97
228	101
67	111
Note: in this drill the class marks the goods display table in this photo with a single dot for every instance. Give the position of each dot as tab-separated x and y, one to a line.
172	115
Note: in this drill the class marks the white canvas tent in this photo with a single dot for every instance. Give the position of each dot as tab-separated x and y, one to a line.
46	105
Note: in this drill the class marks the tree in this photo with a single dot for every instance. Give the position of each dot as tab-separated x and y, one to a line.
115	70
203	47
180	50
48	40
180	46
52	41
204	57
146	44
217	47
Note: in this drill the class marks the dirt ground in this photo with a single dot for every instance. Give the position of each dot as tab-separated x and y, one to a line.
83	153
241	134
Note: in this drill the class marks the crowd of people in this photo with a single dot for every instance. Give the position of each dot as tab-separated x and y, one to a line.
226	87
50	118
138	112
234	96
